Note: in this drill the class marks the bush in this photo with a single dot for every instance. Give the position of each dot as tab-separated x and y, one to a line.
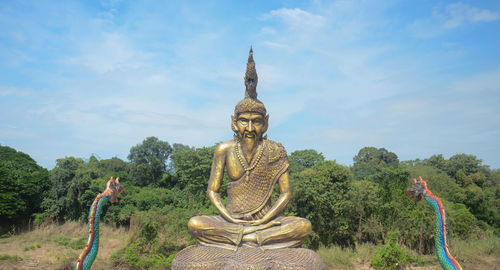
7	257
392	256
156	236
460	221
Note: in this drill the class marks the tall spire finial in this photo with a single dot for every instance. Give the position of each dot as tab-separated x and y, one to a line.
251	78
250	103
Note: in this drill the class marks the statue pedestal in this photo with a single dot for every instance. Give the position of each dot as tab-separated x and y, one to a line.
203	257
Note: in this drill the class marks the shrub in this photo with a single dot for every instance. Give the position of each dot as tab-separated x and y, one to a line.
157	235
392	256
7	257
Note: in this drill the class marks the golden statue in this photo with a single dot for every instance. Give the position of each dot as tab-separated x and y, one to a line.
254	165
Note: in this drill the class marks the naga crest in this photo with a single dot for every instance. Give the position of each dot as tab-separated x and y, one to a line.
417	190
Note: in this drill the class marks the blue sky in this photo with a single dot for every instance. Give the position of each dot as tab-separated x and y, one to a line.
418	78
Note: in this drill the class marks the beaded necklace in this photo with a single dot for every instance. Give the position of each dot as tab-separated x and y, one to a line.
255	163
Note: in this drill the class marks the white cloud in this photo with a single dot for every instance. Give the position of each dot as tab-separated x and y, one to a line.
108	52
298	18
450	17
458	14
13	91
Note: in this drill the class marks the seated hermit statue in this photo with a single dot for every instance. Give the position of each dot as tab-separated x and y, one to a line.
254	166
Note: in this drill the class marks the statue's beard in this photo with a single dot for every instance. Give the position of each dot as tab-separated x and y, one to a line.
249	140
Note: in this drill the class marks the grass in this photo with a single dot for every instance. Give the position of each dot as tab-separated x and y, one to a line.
336	257
78	243
473	251
58	246
7	257
472	254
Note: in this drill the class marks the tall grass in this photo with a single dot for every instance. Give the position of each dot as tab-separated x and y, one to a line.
472	250
480	253
336	257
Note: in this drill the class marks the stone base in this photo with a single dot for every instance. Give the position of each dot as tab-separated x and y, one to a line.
203	257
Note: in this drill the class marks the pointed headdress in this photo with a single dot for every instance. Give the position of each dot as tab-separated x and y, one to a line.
250	103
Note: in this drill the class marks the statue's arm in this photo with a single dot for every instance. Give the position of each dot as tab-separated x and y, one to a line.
216	174
284	198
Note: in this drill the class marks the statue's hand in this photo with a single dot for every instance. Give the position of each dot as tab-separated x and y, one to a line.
262	221
239	221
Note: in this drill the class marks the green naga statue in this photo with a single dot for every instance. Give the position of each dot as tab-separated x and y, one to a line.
88	255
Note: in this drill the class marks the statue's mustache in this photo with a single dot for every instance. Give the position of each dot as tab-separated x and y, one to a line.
251	133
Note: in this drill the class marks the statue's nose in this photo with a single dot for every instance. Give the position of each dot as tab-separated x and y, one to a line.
250	126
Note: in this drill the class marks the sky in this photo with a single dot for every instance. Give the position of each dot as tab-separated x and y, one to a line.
97	77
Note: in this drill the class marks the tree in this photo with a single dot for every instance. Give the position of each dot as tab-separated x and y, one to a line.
392	193
469	164
113	165
57	204
436	161
149	161
364	197
302	159
320	194
22	184
192	170
179	146
371	160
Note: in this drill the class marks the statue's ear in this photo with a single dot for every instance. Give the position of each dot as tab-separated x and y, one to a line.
266	124
233	124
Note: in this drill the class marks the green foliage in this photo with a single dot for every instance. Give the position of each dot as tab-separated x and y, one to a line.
365	200
321	195
393	184
22	185
393	256
7	257
149	161
371	160
469	164
494	179
474	190
343	211
466	164
57	204
156	236
76	244
303	159
460	221
192	171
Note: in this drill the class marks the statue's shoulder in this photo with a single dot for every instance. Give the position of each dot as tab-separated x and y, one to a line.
223	147
276	150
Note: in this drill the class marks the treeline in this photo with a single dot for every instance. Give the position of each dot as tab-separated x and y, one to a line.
346	205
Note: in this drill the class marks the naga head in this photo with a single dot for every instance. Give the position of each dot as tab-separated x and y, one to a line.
417	190
113	189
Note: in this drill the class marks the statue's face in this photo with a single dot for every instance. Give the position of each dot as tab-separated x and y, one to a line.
250	125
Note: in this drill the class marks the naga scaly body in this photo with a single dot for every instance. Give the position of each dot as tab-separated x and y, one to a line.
88	255
419	191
